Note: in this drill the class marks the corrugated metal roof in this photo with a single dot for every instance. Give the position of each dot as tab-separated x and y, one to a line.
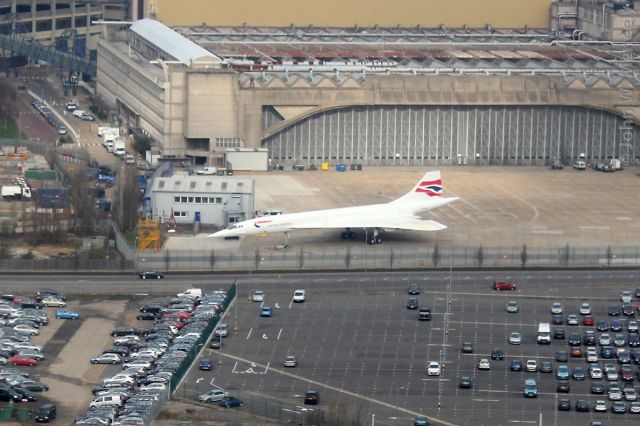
202	184
169	41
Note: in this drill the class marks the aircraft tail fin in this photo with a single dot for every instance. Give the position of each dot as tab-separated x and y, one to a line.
430	185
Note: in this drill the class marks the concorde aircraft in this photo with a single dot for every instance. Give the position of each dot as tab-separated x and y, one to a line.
400	213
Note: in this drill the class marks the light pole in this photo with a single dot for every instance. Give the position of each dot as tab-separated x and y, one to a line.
235	311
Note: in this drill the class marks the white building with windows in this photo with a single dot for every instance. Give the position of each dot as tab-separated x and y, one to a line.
210	200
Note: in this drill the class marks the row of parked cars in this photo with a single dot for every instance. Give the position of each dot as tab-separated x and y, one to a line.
45	111
21	317
150	357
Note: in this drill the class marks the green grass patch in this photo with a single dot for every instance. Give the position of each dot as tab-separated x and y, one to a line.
9	129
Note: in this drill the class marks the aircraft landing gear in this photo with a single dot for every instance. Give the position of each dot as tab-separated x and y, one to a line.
347	234
375	237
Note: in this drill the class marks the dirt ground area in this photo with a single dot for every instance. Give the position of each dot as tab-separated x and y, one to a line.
498	206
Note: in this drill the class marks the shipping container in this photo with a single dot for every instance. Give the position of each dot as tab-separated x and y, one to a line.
52	198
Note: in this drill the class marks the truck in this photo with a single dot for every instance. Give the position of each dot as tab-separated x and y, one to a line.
109	139
544	333
119	148
615	164
15	192
424	314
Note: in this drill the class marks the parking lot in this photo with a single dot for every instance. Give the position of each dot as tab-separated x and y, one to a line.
366	354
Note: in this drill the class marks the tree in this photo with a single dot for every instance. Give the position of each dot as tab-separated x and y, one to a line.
435	256
141	144
523	255
480	256
127	198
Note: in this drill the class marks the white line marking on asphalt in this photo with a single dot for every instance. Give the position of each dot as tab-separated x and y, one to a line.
523	421
233	370
435	380
249	333
290	303
279	333
439	344
486	400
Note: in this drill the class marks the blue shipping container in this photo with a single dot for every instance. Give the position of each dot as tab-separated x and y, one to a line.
340	167
52	198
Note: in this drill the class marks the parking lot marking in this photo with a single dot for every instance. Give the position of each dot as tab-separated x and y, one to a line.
485	400
249	333
279	333
338	390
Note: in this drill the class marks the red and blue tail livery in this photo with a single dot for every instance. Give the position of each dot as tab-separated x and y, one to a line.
431	188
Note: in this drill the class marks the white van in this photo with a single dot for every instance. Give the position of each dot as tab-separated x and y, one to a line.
298	296
195	293
78	113
544	333
107	400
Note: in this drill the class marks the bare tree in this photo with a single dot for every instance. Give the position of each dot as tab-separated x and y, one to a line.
435	256
128	197
480	256
523	255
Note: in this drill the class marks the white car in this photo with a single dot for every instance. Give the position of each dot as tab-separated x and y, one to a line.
126	339
433	368
572	319
634	407
153	386
25	329
213	395
299	295
600	406
630	394
484	364
595	372
26	345
107	358
604	339
53	302
222	330
556	308
531	365
611	372
257	296
592	354
515	338
136	364
207	171
585	309
626	297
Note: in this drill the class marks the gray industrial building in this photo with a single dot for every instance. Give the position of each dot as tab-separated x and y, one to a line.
375	96
211	200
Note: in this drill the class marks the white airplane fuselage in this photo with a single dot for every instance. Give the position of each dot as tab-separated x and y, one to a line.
331	218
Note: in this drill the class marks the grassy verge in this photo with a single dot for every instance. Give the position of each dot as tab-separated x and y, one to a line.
9	128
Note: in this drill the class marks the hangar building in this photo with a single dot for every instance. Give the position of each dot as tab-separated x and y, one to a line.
211	200
376	96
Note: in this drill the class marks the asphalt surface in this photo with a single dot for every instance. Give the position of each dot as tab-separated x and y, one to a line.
366	353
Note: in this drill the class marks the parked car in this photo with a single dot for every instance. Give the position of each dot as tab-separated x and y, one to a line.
501	285
516	365
108	358
484	364
150	275
413	289
513	307
515	338
266	311
60	314
257	296
291	361
213	395
412	303
205	364
23	360
433	368
51	301
465	382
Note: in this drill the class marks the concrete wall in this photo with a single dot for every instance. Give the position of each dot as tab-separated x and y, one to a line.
406	13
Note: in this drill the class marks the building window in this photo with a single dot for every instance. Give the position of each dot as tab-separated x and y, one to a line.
80	21
43	25
191	199
228	142
161	184
223	186
218	200
183	199
198	200
176	199
63	23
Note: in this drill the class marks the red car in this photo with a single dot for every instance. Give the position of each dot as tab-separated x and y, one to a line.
576	352
501	285
179	315
23	360
587	320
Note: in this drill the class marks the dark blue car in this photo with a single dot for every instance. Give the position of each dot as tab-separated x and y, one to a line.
230	402
205	364
516	365
266	312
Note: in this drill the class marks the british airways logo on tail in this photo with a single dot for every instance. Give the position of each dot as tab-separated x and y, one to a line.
431	188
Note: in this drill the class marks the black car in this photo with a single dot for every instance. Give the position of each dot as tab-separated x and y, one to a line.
413	289
546	367
624	358
563	386
412	303
497	354
607	352
150	275
582	405
46	413
26	394
147	316
558	333
557	319
602	325
27	303
562	356
311	398
597	388
614	311
465	382
616	325
578	373
34	386
589	338
564	404
628	310
8	394
125	331
638	292
154	308
574	339
634	340
467	348
120	350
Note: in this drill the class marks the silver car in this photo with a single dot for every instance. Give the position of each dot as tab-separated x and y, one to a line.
212	396
515	338
258	296
556	308
604	339
513	307
626	297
